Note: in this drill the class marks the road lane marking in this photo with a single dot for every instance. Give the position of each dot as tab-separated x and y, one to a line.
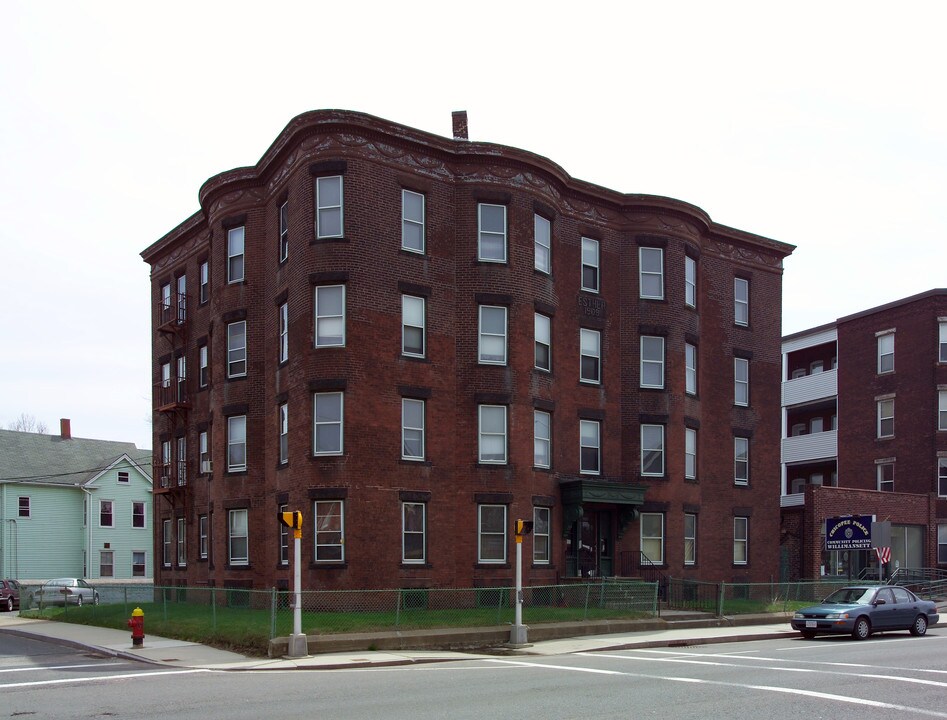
60	667
102	678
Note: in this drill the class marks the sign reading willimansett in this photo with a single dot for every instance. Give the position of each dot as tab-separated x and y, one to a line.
852	532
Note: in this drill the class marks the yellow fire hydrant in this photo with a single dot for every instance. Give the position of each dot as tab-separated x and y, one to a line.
137	624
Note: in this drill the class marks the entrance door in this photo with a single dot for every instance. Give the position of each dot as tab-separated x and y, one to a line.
593	544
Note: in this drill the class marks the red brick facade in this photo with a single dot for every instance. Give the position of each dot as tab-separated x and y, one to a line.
595	518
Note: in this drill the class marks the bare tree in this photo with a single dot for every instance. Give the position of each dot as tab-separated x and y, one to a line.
28	423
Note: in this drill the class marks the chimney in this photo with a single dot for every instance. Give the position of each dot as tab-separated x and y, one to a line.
65	430
460	124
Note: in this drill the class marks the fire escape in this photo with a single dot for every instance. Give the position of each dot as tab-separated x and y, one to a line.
171	398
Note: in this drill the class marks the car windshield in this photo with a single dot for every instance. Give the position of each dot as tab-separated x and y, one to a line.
850	596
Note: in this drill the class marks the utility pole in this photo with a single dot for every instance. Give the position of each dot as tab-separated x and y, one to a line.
518	632
298	643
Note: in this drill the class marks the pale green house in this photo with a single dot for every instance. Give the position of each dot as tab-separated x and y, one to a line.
72	507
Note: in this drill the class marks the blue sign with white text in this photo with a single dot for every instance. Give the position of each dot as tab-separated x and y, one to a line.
852	532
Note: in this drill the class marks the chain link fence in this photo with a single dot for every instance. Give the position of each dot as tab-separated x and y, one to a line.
742	598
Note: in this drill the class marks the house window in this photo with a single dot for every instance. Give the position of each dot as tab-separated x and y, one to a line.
327	423
182	298
651	273
412	325
942	342
106	563
493	434
690	281
237	443
652	450
123	476
238	541
652	362
590	349
283	433
329	207
413	529
235	238
24	507
330	315
690	371
941	544
166	300
885	477
942	409
166	463
412	429
542	332
886	418
542	536
542	439
283	231
690	453
330	530
166	543
542	244
105	513
202	536
182	460
284	332
412	221
165	377
182	542
492	233
741	460
815	367
741	540
182	379
886	353
283	539
652	538
741	381
203	370
138	514
237	349
741	301
590	264
942	476
205	282
589	447
690	539
492	335
204	452
492	534
138	563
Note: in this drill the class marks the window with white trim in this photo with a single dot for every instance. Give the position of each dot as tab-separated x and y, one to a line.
205	281
283	537
284	332
412	221
652	361
412	429
542	439
492	432
283	433
652	450
690	281
182	460
182	542
330	315
542	332
237	349
590	447
138	514
329	530
492	350
590	263
203	450
166	543
203	371
942	409
741	540
741	381
413	331
941	544
690	453
138	563
652	538
651	273
283	231
542	244
236	443
942	476
885	476
690	539
413	531
690	369
238	538
23	509
741	301
182	299
202	529
590	350
886	353
106	563
542	536
106	518
329	207
181	379
491	531
886	418
328	411
235	249
741	460
491	243
942	342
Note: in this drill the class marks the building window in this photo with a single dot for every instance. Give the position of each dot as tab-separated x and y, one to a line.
741	381
651	273
886	353
283	231
202	536
106	563
166	543
330	531
182	542
816	425
886	477
412	221
590	447
652	538
652	450
590	349
182	299
237	443
123	477
941	544
493	434
238	545
182	460
741	301
942	476
283	538
741	460
942	342
491	246
237	349
492	335
690	369
329	207
542	535
942	409
182	379
138	514
492	534
542	244
542	332
138	563
327	423
815	367
203	452
330	315
590	262
412	325
690	281
205	282
203	375
741	540
284	332
690	453
165	463
886	418
413	529
652	362
235	237
24	507
105	513
283	433
412	429
690	539
542	439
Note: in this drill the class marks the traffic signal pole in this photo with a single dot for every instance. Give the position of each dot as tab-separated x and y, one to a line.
298	645
518	631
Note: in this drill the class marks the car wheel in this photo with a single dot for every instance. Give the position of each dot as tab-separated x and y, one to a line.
862	629
78	600
808	634
920	625
10	605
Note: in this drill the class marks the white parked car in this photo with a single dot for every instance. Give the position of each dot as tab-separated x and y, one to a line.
66	591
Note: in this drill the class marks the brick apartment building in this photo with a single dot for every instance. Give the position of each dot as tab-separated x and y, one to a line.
415	340
865	436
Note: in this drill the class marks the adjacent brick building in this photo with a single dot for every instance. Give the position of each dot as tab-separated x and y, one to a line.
415	340
865	434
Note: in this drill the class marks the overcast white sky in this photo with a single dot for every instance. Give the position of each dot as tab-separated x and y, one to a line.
819	124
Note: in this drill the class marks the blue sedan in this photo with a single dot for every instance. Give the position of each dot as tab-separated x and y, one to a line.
863	610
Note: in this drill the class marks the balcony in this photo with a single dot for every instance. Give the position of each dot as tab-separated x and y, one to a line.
805	448
169	476
810	388
172	313
171	395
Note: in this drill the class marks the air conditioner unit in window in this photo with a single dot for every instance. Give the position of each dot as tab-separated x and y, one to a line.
165	481
207	466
